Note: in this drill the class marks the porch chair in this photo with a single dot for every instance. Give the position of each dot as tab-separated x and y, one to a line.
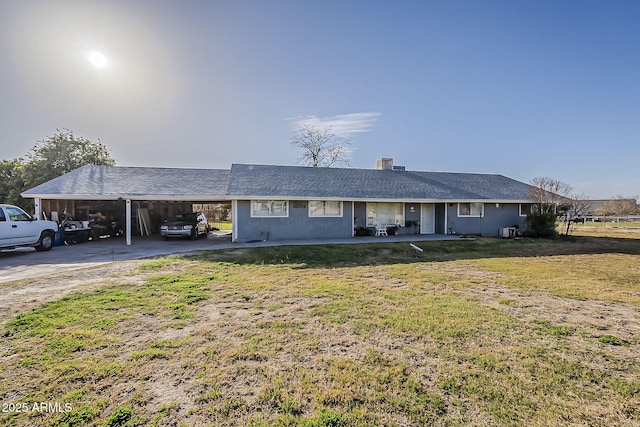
381	230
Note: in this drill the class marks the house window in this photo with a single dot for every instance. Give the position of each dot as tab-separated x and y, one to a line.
325	208
525	209
269	208
385	214
471	209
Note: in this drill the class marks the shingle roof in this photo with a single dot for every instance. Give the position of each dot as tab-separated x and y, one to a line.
108	182
266	181
356	184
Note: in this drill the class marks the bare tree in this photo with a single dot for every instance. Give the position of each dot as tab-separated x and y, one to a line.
321	147
547	193
619	206
576	208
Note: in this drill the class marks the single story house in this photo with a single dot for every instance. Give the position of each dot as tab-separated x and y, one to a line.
295	202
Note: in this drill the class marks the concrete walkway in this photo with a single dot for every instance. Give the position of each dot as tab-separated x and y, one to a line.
26	263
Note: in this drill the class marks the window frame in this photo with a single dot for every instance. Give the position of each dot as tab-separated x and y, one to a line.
529	205
272	204
471	213
324	207
399	215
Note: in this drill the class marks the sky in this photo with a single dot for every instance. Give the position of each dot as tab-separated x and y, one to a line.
524	88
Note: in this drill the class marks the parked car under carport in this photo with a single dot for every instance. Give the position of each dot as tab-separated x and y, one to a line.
190	225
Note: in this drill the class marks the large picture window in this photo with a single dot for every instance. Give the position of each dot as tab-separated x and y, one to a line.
269	208
385	214
318	208
471	209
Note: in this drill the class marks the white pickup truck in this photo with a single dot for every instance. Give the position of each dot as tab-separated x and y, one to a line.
18	228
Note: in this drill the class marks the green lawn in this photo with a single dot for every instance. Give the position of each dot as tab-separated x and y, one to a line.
222	225
485	332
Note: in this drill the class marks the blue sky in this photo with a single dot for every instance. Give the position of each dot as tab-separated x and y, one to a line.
518	88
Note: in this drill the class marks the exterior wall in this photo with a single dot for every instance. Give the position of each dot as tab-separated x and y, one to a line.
298	225
505	215
411	219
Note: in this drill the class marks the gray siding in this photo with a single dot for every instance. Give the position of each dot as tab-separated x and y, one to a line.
506	215
298	225
411	219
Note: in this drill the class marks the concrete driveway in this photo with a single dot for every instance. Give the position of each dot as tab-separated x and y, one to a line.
26	263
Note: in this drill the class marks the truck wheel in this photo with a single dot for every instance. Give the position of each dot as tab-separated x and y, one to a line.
46	241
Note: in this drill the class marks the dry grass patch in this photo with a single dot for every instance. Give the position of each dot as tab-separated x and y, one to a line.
612	277
352	336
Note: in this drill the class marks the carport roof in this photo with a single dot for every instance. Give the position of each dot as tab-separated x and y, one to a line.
92	182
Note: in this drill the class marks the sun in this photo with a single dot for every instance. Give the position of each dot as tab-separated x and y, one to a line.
98	59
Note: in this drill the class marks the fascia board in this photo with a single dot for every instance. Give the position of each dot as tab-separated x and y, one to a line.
375	199
69	197
124	196
173	198
488	201
276	197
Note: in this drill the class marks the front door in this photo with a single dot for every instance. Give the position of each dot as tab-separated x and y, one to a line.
428	218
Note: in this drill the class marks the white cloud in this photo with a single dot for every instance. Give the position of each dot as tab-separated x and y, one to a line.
343	124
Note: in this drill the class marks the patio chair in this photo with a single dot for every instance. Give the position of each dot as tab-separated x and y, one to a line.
381	230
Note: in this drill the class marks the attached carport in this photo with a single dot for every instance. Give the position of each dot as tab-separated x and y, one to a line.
127	189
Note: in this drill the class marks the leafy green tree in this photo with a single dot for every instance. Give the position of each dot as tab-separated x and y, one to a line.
60	154
11	183
49	159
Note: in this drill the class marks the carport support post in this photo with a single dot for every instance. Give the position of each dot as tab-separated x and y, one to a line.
128	221
37	207
446	218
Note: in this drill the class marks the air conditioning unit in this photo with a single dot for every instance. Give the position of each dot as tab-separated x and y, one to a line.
508	232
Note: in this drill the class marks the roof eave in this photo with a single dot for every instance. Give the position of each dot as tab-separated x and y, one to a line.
126	196
378	199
